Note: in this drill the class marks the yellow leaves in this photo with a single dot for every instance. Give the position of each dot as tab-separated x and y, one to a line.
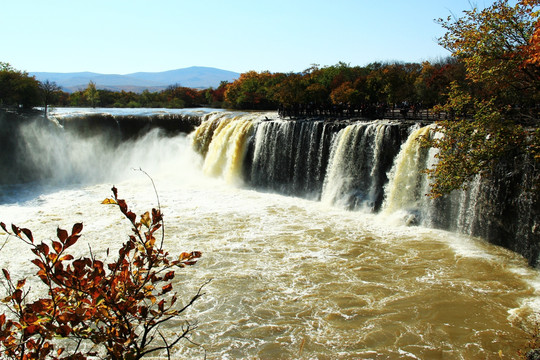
146	220
189	258
151	242
109	201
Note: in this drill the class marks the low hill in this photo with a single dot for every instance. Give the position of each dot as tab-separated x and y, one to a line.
194	77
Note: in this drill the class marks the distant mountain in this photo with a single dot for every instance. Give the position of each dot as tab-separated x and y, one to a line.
194	77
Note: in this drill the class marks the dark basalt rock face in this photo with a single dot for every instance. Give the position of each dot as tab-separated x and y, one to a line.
125	127
509	207
12	170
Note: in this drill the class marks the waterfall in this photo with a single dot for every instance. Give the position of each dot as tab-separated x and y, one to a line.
366	166
408	184
360	166
467	213
222	141
352	177
289	157
293	277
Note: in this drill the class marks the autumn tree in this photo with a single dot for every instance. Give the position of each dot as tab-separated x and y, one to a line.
344	94
252	90
497	46
113	309
531	50
290	91
181	96
493	45
434	79
472	141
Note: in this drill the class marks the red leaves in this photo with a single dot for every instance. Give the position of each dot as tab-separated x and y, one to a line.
64	330
15	230
31	330
131	216
189	258
57	246
6	274
169	276
39	264
17	295
156	216
41	248
62	235
91	299
28	234
122	204
65	239
143	311
166	288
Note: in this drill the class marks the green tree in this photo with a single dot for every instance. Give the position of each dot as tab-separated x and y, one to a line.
17	88
76	98
91	94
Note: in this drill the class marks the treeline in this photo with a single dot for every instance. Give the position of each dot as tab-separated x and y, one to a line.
19	89
314	91
369	91
342	89
175	96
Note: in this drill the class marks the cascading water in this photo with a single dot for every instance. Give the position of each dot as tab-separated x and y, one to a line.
296	278
377	166
408	185
353	179
285	157
226	151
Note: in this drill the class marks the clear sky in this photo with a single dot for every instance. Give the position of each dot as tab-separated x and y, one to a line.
125	36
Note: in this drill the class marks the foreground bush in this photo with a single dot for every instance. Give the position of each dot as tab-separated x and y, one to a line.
93	308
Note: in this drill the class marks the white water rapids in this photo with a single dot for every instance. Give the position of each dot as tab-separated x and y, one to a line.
290	278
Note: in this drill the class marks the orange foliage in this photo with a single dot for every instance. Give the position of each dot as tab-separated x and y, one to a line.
117	306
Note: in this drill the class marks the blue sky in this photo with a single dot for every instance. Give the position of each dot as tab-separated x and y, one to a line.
125	36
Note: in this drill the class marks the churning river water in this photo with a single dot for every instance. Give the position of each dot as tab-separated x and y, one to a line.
290	278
